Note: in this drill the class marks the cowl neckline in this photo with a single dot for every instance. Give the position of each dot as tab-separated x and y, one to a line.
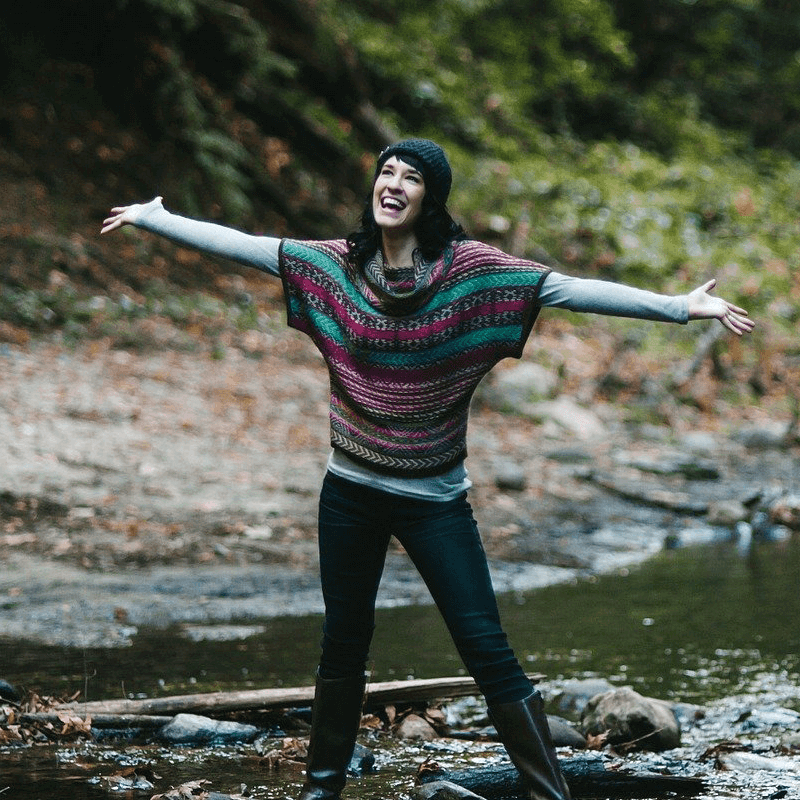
401	291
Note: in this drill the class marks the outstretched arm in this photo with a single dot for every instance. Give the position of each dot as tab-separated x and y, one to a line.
254	251
617	299
703	305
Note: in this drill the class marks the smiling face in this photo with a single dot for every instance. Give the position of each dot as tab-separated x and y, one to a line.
397	196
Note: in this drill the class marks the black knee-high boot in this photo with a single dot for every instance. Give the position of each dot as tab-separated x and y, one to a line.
523	729
335	717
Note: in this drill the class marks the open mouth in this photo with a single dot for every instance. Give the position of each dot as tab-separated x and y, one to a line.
392	204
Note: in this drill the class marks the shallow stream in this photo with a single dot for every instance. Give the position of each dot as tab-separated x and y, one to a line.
694	625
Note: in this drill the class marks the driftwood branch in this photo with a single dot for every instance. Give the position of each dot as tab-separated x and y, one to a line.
260	699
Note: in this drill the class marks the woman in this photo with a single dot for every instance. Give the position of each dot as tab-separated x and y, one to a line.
410	314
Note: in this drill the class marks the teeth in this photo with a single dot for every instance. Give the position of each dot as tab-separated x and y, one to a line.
390	202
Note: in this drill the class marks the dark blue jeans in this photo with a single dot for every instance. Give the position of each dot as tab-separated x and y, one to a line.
441	538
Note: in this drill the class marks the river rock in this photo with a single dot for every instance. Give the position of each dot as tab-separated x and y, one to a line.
363	760
572	696
567	415
510	477
666	463
786	511
415	727
631	721
764	437
194	729
9	692
726	513
564	734
443	790
510	389
742	761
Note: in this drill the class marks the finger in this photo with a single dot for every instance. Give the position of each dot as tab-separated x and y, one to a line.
110	225
709	285
739	324
731	325
737	310
740	315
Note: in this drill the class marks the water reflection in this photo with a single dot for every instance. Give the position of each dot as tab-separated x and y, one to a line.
692	623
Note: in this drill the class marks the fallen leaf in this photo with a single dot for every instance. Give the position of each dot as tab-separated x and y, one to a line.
193	790
598	741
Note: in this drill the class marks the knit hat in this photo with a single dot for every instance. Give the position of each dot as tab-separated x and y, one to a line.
436	168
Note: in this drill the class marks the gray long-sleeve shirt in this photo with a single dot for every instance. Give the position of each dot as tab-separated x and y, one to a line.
559	291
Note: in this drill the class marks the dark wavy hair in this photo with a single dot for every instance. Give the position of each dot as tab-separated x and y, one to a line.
435	228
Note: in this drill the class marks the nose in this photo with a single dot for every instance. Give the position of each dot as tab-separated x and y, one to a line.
394	183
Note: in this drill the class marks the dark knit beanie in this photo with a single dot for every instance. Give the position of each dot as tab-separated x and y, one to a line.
436	168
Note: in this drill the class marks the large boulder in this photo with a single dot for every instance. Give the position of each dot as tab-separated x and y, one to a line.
631	721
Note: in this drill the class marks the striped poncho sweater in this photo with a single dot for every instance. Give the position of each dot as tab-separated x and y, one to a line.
401	383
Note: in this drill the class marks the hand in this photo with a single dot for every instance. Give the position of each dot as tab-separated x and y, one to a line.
703	305
126	215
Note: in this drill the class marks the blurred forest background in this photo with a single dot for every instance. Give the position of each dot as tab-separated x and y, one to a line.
653	143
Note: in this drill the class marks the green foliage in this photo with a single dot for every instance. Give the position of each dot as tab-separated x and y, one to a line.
193	102
738	58
655	143
562	117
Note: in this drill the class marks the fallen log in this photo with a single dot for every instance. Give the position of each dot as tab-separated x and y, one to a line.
388	692
105	721
586	777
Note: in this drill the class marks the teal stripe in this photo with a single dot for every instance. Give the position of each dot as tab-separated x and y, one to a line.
328	327
506	336
480	283
333	268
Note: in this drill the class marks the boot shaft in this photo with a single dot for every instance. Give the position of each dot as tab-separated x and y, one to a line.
335	719
523	729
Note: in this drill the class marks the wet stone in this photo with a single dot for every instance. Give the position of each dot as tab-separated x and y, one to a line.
743	761
194	729
767	720
414	727
572	696
564	733
443	790
631	721
9	692
726	513
510	477
363	760
786	511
